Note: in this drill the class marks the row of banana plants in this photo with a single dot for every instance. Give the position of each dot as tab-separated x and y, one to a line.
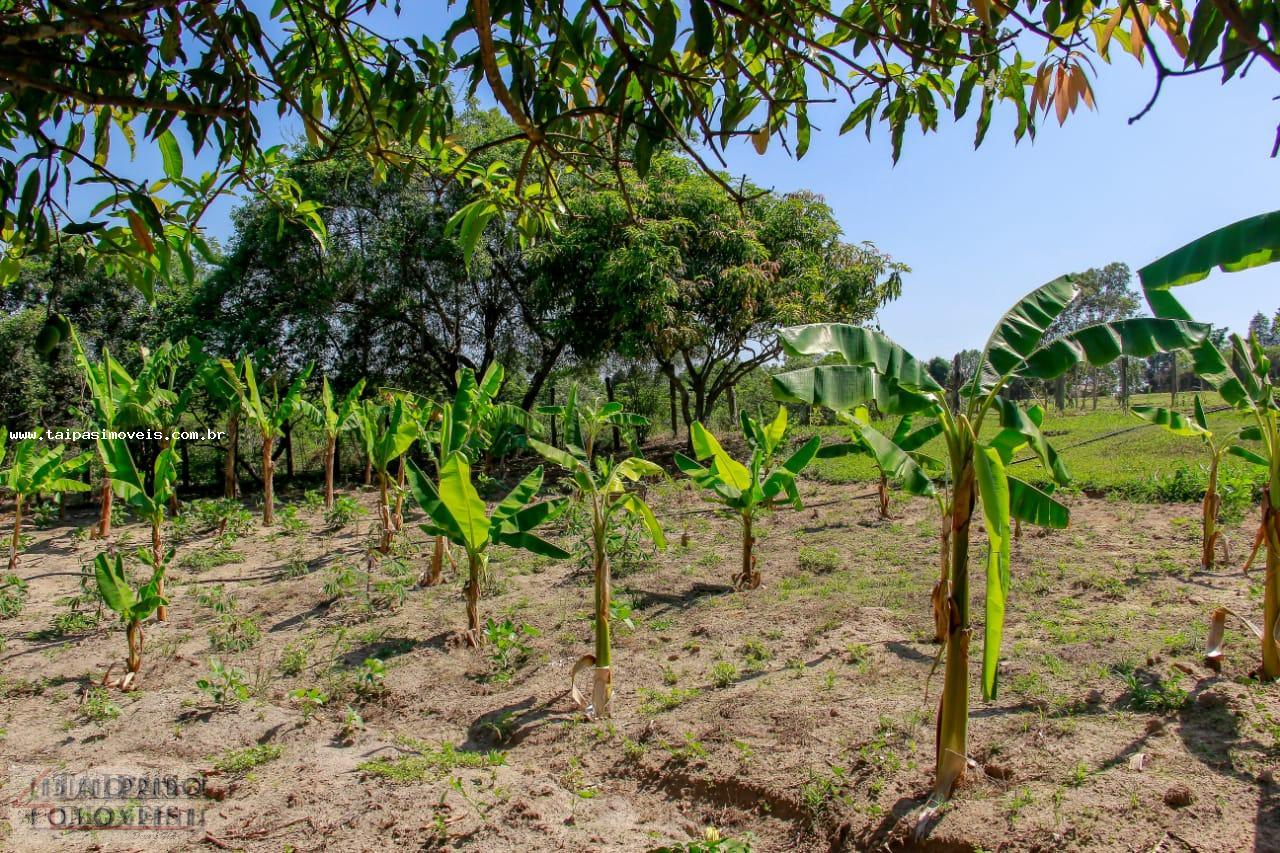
857	370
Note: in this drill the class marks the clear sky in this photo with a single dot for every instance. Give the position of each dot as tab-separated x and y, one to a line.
980	228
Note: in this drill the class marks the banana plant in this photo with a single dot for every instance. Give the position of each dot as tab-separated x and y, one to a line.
1244	382
388	432
897	458
223	391
269	413
455	511
35	471
121	401
148	503
875	369
603	485
752	489
335	417
133	606
458	427
1197	426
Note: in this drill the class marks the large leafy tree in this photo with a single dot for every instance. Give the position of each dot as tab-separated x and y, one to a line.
611	79
698	284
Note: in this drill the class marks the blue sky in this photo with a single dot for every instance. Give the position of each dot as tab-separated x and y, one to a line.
980	228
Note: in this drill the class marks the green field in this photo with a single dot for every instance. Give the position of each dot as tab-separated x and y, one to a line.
1108	451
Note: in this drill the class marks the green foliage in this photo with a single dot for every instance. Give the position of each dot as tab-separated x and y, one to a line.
13	595
508	646
224	685
345	510
98	707
132	604
241	761
429	764
1153	693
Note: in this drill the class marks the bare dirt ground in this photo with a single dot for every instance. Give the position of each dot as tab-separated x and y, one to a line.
794	715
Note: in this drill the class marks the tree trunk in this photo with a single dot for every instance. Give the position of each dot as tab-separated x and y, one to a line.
1173	379
368	471
1060	393
157	555
732	397
953	709
268	487
675	424
16	542
330	452
1124	381
186	465
883	495
229	467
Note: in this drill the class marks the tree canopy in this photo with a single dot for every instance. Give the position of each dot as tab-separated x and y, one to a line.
608	81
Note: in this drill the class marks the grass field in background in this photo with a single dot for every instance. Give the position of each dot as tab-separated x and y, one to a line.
1141	462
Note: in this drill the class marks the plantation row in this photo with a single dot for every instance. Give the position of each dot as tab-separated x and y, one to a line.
436	454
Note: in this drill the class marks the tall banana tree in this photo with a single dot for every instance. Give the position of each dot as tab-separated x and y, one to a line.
146	500
335	417
875	369
603	485
752	489
455	511
269	413
1197	426
1244	383
223	390
388	432
897	458
37	470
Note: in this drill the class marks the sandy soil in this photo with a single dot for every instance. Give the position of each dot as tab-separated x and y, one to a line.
794	715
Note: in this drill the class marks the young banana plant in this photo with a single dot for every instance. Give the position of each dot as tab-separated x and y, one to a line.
752	489
335	417
897	458
875	369
269	413
148	503
1197	426
458	427
37	470
603	486
455	511
388	432
133	606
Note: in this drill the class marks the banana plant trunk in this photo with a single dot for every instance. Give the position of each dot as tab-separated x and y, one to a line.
748	577
16	542
942	588
435	575
953	710
162	612
1211	504
475	568
1271	594
398	516
883	494
229	462
104	511
602	675
268	487
330	451
384	514
133	633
